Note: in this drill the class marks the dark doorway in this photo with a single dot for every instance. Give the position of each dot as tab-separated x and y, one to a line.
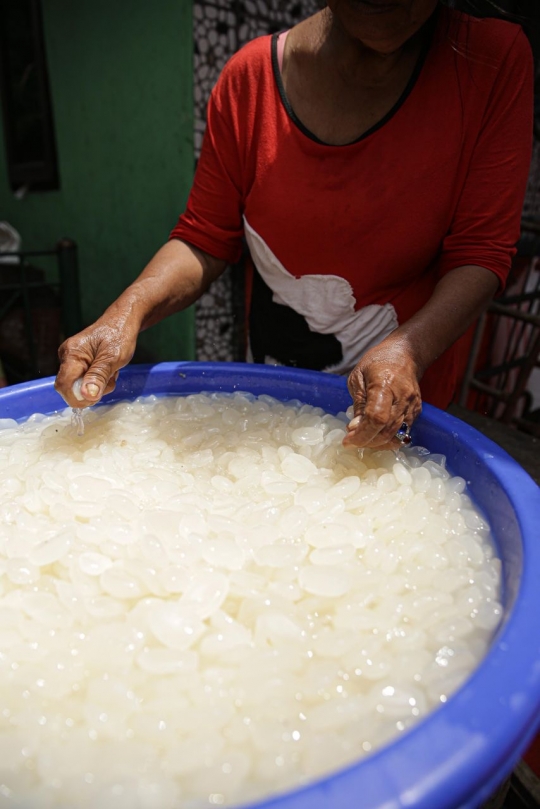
26	102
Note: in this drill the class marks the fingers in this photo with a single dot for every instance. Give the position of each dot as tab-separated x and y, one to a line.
66	378
111	385
95	356
96	382
99	379
383	400
376	418
410	414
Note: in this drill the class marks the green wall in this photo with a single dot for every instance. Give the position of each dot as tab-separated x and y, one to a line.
122	88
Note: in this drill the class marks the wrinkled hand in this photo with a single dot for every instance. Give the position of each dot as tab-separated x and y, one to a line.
385	392
96	354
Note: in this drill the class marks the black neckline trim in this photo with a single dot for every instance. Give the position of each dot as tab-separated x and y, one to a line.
430	25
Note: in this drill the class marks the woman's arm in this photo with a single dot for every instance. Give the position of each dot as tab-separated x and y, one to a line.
174	279
207	236
385	383
475	256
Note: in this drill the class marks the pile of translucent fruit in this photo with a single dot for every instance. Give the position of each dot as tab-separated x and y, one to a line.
205	600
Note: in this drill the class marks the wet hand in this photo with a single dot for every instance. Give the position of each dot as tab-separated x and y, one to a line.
385	392
94	356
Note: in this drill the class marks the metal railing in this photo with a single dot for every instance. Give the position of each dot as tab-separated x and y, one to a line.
503	381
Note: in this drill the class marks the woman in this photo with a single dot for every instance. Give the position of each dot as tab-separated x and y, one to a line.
375	158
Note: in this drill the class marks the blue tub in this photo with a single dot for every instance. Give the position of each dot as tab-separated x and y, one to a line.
458	755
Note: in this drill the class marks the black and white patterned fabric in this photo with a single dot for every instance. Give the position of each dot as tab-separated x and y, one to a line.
221	27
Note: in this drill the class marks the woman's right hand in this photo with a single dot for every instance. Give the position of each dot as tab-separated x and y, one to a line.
174	279
95	355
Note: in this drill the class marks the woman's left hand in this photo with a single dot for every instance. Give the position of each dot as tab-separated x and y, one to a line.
385	392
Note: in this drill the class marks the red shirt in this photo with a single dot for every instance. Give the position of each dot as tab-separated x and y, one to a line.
438	184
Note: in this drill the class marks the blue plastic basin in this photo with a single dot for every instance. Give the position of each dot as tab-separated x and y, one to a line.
458	755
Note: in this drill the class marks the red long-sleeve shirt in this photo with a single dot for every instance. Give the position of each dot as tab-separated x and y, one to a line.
354	238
